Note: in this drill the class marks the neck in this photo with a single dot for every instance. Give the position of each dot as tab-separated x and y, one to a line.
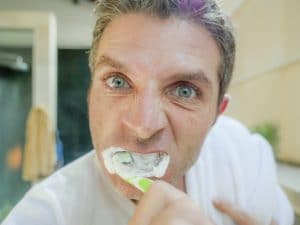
181	185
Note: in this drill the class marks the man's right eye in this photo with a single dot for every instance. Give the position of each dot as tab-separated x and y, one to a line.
117	82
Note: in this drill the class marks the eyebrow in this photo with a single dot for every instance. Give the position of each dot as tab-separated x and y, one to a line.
105	60
195	76
199	76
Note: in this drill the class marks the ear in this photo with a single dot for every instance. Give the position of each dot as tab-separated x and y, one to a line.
224	103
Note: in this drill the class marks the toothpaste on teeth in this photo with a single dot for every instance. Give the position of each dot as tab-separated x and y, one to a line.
135	168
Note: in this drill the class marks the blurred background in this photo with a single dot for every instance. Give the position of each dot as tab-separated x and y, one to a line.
266	82
44	78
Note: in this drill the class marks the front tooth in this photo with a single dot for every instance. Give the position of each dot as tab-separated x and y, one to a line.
124	157
158	160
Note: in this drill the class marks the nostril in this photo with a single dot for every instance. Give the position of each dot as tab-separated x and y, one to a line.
142	132
145	118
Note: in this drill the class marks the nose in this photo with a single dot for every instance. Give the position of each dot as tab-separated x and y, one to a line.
145	117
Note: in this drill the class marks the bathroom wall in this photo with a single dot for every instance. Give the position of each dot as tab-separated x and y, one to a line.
15	102
266	80
74	21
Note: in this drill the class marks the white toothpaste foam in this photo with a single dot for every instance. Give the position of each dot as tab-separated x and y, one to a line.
131	164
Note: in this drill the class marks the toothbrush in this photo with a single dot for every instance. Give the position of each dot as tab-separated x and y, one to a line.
135	168
141	183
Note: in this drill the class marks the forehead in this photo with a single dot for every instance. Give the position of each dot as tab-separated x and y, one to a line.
160	46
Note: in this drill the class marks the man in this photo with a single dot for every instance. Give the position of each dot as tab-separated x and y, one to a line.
160	70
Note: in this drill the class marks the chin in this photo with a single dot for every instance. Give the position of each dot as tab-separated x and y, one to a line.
127	190
132	193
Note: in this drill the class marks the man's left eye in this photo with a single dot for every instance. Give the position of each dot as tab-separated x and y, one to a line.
185	91
117	82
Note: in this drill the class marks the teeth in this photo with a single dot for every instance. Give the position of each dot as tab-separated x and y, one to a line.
144	162
158	159
123	157
128	164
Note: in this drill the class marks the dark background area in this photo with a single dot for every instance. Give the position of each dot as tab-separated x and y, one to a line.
15	103
73	83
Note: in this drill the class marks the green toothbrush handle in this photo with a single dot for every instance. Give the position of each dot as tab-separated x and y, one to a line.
141	183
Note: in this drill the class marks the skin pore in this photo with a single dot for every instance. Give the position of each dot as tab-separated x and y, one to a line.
154	89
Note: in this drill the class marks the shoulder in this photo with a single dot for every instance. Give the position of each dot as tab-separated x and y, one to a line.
234	138
73	175
73	183
247	161
45	202
253	168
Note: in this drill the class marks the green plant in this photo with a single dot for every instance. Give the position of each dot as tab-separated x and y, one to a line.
270	132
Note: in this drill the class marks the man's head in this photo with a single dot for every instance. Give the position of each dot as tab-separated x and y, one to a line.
160	69
203	12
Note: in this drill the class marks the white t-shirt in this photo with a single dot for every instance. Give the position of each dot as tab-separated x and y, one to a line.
233	165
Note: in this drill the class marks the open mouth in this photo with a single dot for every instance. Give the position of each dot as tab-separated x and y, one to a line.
130	164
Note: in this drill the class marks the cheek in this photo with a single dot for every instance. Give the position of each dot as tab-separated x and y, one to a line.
105	118
96	111
193	128
190	134
100	117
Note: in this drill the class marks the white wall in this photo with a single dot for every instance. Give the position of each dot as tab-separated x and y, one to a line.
266	85
230	6
44	66
74	22
268	35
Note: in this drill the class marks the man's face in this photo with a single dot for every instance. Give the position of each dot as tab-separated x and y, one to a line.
154	89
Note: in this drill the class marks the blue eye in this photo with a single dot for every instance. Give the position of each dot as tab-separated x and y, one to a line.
117	82
185	92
